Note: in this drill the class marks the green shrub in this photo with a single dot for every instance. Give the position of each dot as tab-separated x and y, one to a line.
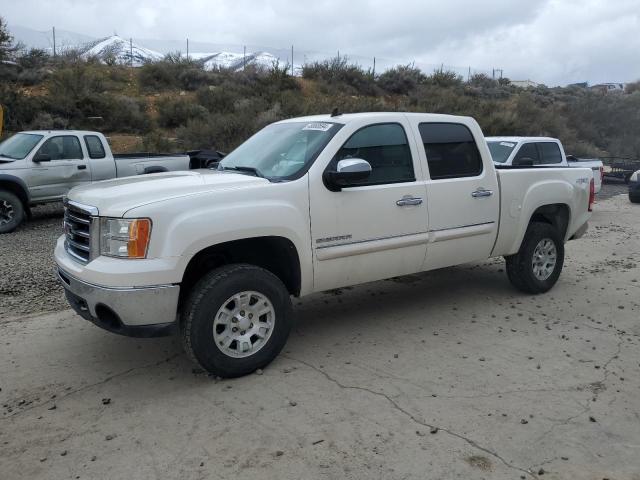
445	78
158	76
219	99
46	121
156	141
338	72
401	79
192	78
174	112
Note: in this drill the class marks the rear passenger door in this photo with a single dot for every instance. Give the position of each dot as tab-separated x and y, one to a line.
462	194
64	167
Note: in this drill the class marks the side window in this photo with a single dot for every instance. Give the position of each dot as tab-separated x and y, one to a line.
65	147
94	146
550	152
386	148
451	150
528	152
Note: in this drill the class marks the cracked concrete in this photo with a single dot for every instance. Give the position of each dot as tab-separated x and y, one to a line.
449	374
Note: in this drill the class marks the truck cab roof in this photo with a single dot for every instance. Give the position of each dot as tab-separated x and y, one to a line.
521	139
346	118
61	132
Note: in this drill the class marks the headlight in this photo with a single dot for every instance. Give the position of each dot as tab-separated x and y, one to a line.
125	237
634	177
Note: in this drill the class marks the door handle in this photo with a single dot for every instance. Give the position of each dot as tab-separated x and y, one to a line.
409	200
481	192
82	167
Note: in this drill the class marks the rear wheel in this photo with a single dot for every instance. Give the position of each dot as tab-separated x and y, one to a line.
11	212
634	198
537	266
236	320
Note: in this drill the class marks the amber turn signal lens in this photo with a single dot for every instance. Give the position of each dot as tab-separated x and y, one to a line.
139	235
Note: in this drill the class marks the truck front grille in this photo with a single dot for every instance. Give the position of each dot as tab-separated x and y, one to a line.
77	228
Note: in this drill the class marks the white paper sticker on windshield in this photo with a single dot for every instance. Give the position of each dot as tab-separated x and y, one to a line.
507	144
320	127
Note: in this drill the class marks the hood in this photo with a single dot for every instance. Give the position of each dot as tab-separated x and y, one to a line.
114	197
5	160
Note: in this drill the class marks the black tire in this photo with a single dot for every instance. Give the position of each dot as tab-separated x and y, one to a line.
520	266
11	212
634	198
209	295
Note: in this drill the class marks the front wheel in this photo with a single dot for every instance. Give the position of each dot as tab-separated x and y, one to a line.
11	212
537	266
236	320
634	198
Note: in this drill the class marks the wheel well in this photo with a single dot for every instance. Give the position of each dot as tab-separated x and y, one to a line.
17	190
275	254
556	215
154	169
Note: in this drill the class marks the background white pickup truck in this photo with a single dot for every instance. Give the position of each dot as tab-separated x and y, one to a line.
306	205
540	151
42	166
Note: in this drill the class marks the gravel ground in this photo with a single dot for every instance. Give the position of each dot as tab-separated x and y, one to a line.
450	374
27	284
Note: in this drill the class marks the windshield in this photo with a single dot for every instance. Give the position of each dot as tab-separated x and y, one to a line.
500	151
281	151
19	146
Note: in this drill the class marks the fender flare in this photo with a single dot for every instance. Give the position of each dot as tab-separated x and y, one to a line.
23	192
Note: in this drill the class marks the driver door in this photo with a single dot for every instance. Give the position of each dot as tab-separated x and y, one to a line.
375	228
63	165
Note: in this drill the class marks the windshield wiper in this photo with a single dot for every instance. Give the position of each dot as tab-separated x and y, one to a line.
241	168
8	156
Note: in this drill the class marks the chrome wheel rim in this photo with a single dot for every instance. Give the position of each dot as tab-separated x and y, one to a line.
6	212
545	256
243	324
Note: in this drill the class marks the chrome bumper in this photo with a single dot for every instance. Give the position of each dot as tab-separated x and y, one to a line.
137	311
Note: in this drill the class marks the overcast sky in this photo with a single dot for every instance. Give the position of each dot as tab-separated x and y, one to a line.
551	41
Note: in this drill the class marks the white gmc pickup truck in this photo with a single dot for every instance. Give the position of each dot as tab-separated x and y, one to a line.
306	205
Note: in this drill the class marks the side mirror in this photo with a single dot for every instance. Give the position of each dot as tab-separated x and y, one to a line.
523	162
41	157
347	172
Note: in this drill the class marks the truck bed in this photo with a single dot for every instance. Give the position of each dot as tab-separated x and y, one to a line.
524	189
143	163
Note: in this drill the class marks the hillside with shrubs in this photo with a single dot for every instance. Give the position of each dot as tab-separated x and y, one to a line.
175	105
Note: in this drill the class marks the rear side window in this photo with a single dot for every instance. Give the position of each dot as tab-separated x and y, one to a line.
386	148
65	147
528	154
451	150
550	152
94	146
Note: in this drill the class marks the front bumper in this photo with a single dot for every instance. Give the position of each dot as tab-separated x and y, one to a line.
132	311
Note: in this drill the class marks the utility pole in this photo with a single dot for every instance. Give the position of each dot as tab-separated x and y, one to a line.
131	51
469	75
54	41
292	60
374	67
244	58
187	49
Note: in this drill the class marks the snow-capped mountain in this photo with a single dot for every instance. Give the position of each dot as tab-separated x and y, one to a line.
235	61
118	50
